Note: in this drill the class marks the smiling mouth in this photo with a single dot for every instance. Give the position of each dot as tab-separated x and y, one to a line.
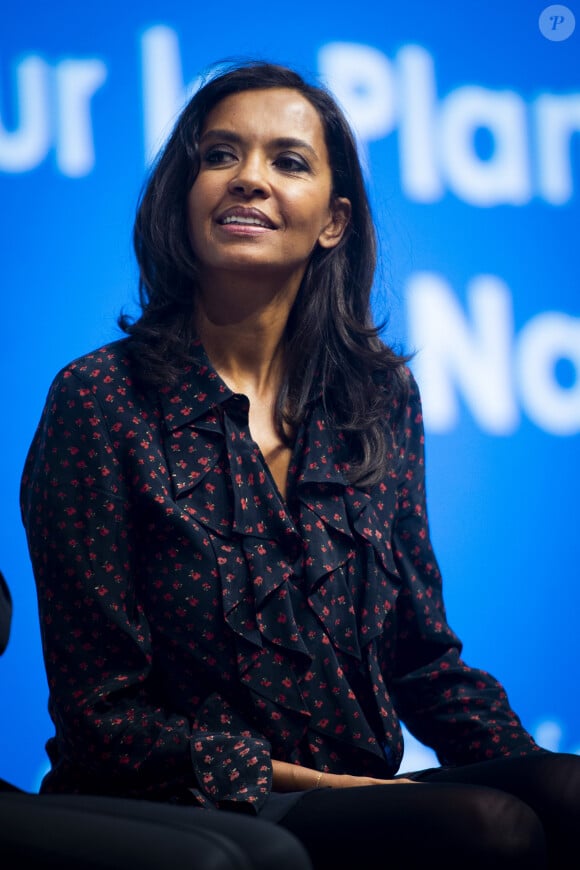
245	221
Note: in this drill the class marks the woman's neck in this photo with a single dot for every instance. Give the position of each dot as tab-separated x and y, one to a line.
243	334
245	347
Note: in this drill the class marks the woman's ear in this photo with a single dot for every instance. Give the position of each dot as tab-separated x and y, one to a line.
333	232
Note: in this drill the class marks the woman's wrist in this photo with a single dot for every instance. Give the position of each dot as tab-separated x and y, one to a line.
294	777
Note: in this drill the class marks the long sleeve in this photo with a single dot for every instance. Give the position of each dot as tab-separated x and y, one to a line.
93	468
463	713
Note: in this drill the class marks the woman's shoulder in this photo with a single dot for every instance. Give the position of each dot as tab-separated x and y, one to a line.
100	377
110	363
404	416
100	386
107	356
400	388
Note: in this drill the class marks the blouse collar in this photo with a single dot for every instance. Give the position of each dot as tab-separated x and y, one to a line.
201	390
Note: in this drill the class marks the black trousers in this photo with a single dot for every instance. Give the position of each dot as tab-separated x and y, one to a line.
78	832
506	813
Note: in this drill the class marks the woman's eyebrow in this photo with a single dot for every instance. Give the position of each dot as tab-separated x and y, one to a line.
293	142
235	139
218	133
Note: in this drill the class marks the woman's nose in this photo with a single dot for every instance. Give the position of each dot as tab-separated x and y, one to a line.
250	179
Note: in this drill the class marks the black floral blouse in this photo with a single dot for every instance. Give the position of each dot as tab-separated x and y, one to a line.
196	625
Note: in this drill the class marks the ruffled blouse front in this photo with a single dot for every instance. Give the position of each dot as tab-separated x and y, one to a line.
196	625
304	584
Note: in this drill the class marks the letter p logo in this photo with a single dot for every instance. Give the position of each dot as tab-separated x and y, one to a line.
557	23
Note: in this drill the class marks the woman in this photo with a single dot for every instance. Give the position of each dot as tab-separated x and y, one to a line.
227	524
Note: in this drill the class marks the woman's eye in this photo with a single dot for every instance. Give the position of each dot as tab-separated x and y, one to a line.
291	163
216	156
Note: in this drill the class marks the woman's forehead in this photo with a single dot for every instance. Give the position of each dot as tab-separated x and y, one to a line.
267	109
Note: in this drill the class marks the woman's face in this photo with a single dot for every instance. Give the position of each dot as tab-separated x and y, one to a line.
262	202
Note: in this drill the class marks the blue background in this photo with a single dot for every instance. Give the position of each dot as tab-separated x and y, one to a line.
503	504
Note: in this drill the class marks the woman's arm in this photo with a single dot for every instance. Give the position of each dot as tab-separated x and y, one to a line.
115	729
294	777
461	712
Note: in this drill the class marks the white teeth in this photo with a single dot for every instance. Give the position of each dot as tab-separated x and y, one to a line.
251	221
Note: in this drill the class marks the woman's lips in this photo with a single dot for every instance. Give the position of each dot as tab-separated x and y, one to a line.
245	217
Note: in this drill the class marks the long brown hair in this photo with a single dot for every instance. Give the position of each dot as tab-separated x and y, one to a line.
332	343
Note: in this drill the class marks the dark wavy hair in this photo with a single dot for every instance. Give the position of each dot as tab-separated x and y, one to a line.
331	340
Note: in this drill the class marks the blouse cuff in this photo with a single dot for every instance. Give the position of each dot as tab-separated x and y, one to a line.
232	763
